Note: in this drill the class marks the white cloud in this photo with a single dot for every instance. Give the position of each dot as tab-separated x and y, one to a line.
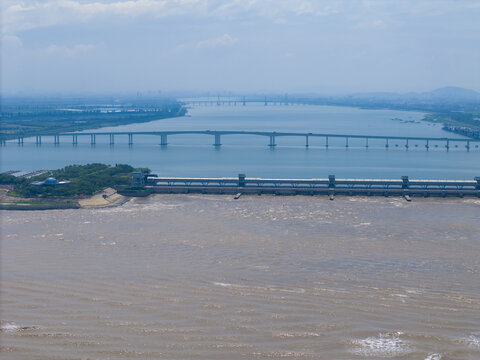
225	40
26	15
33	14
373	24
67	51
11	42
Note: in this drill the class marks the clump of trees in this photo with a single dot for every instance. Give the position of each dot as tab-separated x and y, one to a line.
8	179
85	180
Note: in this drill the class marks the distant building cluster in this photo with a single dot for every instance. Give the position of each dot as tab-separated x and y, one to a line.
475	134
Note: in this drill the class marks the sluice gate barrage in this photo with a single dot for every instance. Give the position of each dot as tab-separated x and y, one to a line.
328	186
365	140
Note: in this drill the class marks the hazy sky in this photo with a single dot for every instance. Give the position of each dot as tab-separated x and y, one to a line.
323	46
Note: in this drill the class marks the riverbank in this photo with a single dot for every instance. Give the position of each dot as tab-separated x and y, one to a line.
25	117
105	198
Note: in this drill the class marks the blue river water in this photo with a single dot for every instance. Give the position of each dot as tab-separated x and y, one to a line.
194	155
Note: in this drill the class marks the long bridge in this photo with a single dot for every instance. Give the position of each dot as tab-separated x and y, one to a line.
386	140
328	186
244	101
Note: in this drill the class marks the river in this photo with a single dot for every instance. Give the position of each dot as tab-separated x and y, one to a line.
210	277
193	155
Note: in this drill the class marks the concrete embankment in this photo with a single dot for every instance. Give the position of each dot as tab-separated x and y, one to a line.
106	198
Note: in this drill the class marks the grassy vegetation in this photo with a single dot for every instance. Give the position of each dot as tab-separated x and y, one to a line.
6	179
86	180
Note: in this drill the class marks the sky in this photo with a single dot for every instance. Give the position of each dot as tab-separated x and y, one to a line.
294	46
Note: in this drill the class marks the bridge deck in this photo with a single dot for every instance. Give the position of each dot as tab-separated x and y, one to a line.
232	132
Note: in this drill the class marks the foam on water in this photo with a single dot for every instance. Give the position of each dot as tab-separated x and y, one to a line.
383	345
12	327
434	357
9	327
472	340
298	335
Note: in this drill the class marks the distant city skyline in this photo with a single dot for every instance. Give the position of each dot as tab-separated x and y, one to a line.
282	46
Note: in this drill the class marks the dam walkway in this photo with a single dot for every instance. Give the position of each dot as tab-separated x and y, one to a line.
328	186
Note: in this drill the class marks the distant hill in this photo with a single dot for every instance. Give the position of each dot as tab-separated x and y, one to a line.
452	93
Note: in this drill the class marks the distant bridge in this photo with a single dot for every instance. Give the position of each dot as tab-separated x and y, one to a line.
244	101
386	140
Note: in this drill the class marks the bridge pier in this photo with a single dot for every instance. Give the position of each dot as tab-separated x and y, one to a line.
386	143
20	141
447	146
130	139
427	146
38	140
241	180
306	141
366	143
331	181
468	145
163	140
74	139
217	140
406	144
93	139
326	142
56	139
112	139
272	141
346	142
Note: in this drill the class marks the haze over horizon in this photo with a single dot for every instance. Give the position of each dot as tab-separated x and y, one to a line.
328	47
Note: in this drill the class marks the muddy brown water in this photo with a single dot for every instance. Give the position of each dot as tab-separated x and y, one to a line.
209	277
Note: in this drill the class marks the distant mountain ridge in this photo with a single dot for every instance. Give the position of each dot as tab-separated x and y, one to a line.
453	92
